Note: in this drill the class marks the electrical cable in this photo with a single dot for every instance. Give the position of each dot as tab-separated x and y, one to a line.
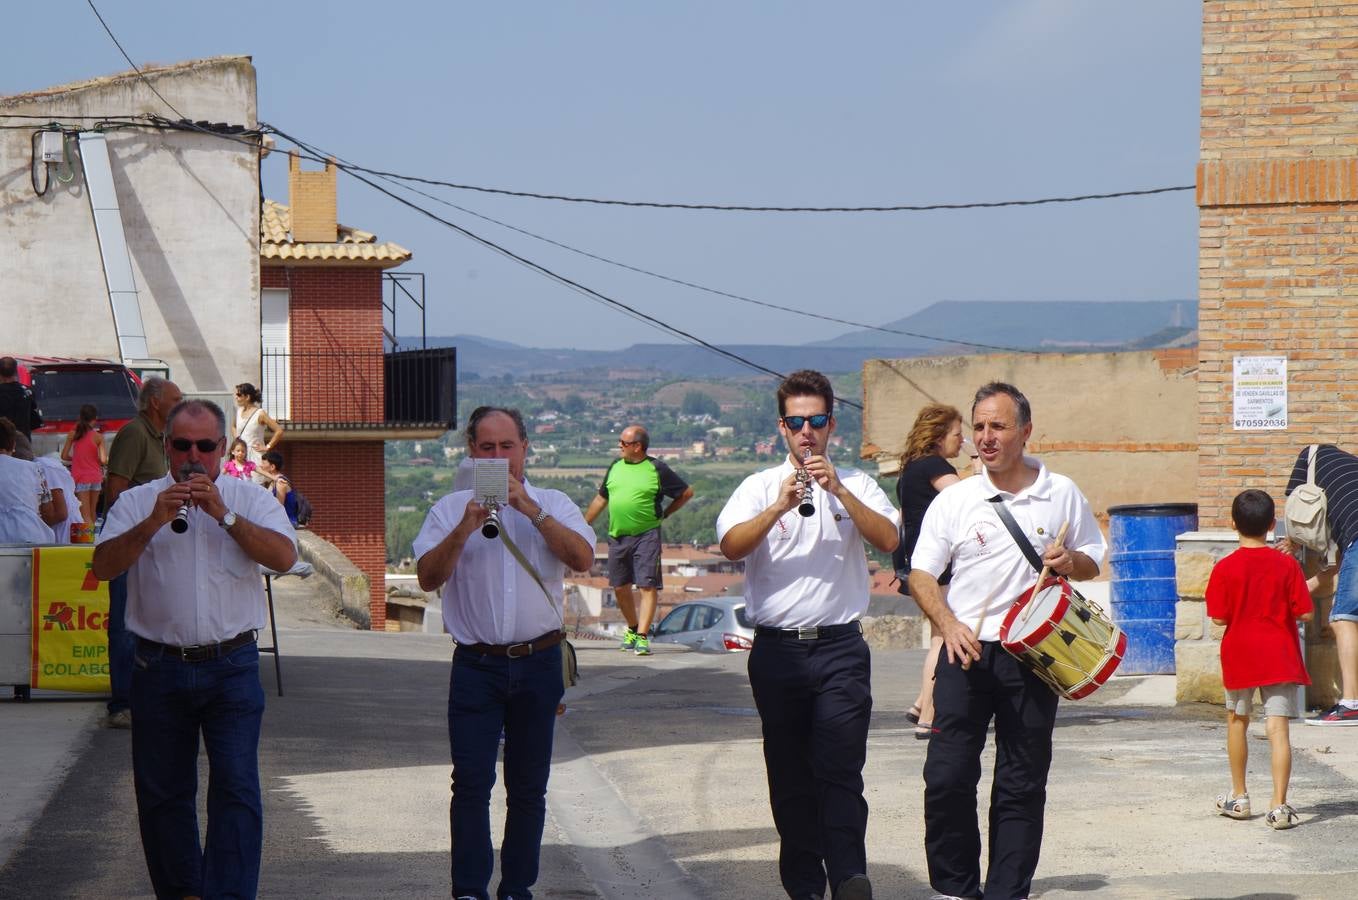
139	72
555	276
34	164
929	207
313	150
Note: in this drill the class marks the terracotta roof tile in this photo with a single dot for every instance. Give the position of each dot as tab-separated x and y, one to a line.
354	245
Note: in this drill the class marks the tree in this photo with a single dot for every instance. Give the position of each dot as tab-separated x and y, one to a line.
697	403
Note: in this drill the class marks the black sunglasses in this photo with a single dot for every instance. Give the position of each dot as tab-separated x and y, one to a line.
205	445
818	421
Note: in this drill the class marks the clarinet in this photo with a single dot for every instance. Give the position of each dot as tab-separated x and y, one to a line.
806	507
491	527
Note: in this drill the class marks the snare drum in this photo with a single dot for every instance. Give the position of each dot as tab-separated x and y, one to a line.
1066	640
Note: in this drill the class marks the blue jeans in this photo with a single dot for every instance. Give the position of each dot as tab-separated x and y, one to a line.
1345	608
121	644
488	694
172	701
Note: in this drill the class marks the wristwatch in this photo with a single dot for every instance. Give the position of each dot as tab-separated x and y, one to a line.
228	520
541	517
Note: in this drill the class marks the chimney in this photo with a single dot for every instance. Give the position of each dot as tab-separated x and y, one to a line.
312	196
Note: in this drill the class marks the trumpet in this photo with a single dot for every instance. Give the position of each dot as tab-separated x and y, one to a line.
805	507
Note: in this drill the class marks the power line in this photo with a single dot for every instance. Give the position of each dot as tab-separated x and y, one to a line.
722	207
929	207
555	276
114	38
679	281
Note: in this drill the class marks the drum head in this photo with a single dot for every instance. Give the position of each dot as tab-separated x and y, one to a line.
1030	615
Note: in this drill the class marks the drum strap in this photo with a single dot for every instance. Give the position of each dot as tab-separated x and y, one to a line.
1008	519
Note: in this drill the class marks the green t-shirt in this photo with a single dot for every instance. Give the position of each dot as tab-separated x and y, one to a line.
138	452
634	492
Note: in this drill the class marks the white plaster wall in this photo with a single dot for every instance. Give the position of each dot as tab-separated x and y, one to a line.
190	209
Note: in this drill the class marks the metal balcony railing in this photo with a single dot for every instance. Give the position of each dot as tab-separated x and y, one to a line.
338	390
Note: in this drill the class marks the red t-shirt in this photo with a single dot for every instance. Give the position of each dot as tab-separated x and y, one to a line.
1260	593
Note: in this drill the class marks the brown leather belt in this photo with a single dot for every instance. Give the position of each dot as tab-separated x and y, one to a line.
513	651
202	652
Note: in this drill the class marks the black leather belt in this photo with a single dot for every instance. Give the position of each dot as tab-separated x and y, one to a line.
202	652
513	651
809	632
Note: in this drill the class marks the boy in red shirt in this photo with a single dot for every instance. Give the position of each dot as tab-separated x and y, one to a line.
1259	594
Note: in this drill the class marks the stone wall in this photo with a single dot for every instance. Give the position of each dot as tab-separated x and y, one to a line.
1197	642
1134	452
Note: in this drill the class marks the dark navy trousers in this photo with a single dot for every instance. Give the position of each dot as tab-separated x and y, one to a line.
488	696
997	687
815	701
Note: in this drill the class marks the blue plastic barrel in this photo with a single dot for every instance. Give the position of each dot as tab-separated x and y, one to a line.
1143	588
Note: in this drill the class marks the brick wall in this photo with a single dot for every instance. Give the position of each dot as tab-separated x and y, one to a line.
335	323
335	318
1278	198
344	480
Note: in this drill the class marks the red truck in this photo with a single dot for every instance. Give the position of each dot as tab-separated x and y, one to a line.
62	385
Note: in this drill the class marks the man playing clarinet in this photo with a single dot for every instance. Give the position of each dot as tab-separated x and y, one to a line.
799	526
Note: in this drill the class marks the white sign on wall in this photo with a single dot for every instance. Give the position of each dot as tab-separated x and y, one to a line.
1260	393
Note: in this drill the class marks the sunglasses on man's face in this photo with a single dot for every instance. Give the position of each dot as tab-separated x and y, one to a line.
204	445
818	421
629	443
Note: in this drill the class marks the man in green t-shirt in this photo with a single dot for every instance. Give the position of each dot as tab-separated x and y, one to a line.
633	489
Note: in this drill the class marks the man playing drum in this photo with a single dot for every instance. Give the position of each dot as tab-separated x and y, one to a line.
977	680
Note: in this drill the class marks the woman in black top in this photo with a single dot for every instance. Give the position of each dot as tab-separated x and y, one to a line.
935	438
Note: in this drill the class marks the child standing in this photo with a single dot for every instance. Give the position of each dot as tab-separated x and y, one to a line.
1259	594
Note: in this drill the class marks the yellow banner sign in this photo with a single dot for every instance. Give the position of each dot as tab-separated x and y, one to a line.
70	621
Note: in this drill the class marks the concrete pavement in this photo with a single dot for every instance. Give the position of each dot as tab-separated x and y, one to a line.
658	786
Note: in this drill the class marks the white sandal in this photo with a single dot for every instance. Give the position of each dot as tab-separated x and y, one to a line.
1234	807
1282	817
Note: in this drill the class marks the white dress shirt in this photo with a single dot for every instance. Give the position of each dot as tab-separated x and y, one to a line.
59	478
807	570
22	490
489	598
198	587
989	571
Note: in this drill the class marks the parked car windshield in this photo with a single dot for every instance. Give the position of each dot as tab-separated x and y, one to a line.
61	392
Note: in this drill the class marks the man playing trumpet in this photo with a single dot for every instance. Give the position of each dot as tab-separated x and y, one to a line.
977	680
806	587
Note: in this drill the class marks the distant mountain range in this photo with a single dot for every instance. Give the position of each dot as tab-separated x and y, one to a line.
1056	326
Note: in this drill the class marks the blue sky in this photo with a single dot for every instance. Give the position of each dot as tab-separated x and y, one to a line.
721	102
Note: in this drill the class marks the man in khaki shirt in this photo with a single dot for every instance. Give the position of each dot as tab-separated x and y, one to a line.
136	456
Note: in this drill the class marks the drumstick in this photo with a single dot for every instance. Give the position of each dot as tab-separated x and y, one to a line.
1041	577
966	663
1060	540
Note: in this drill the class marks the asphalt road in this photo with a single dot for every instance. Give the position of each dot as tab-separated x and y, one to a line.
658	786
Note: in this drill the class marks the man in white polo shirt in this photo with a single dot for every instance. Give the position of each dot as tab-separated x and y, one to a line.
806	587
196	599
978	680
506	674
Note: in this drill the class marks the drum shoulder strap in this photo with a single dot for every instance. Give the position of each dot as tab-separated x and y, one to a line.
1008	519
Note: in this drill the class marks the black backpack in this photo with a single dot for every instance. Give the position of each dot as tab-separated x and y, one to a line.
303	508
